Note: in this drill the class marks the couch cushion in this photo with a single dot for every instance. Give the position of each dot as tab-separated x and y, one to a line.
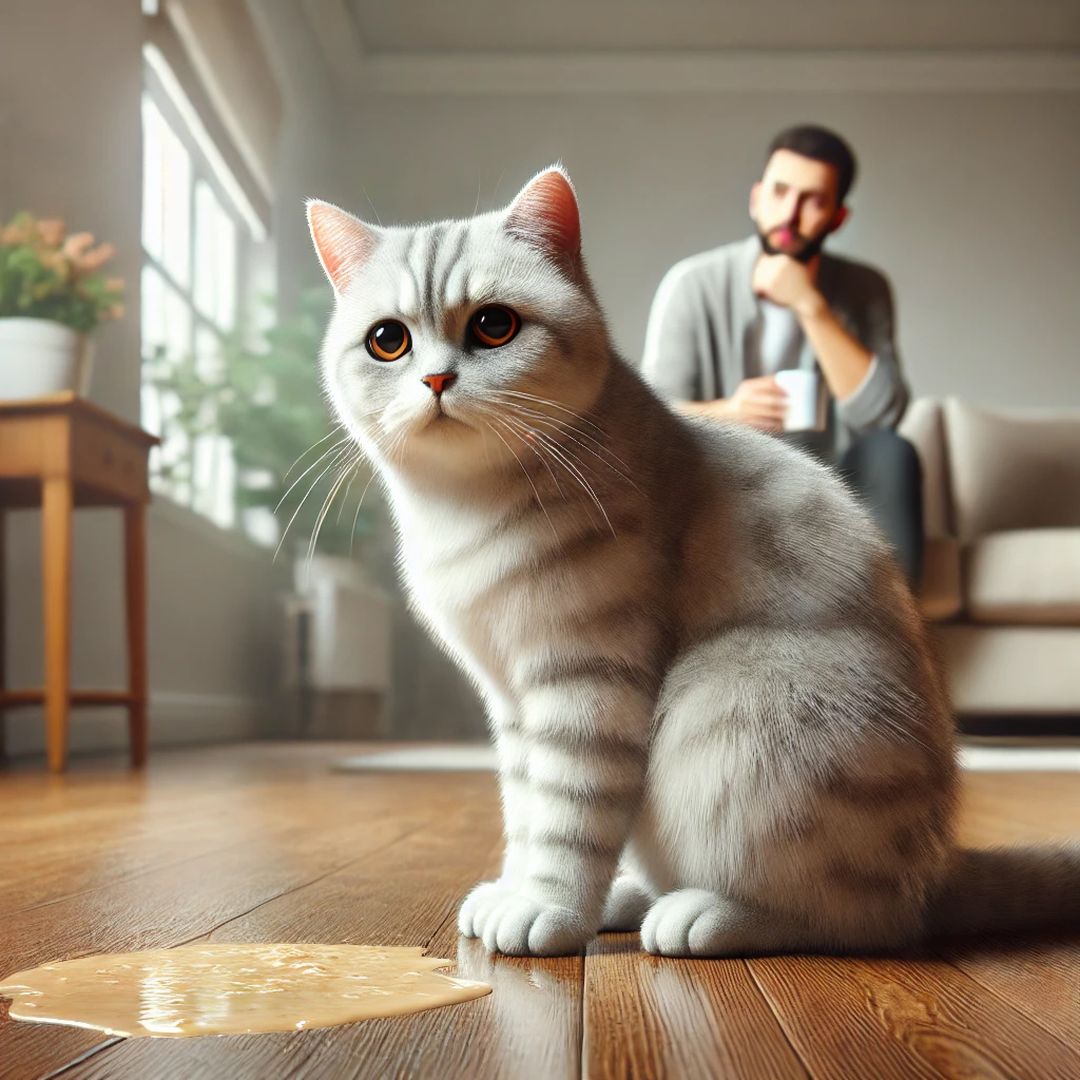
939	591
1026	576
1012	469
1010	670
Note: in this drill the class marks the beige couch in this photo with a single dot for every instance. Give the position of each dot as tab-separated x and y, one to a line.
1001	580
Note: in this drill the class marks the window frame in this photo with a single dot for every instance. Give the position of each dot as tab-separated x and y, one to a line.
214	500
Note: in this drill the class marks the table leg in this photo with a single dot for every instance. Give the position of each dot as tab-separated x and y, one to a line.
135	580
3	640
56	524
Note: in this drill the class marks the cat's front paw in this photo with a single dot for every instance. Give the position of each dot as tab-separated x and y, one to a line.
517	925
478	904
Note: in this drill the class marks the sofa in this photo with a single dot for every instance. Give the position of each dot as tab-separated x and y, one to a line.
1001	576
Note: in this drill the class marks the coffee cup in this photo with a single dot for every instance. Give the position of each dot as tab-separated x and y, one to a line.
801	388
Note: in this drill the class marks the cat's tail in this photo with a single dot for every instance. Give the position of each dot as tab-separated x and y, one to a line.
1017	888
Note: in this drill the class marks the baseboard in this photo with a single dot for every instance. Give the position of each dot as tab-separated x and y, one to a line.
176	719
1020	727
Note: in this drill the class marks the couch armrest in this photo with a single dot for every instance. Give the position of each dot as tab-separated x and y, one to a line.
923	427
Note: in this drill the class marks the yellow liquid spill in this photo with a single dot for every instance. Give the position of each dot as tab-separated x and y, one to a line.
234	989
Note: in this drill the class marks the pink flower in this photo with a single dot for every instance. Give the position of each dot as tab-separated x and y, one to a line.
16	234
51	231
94	260
77	244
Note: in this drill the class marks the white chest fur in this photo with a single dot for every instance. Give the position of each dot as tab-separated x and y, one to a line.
451	558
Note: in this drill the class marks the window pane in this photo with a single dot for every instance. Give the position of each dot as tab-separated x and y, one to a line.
153	226
173	471
166	317
207	351
167	187
215	258
214	478
153	311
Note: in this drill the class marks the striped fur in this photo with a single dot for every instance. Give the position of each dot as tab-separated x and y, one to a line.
697	654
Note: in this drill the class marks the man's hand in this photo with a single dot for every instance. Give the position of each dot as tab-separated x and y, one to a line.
760	403
787	282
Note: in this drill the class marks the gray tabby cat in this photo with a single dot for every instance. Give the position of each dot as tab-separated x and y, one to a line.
701	665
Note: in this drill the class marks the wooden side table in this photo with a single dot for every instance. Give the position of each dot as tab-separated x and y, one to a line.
61	452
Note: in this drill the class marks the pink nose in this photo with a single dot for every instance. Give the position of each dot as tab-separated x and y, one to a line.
438	383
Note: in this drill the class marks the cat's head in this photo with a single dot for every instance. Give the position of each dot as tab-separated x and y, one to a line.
439	330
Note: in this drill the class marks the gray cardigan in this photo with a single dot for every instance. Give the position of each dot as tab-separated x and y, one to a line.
705	330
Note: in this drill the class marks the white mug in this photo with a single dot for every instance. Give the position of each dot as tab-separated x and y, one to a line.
801	388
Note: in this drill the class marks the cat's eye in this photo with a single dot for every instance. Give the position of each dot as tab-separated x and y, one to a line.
389	340
494	325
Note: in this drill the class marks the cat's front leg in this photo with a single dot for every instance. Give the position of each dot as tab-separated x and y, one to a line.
585	726
512	755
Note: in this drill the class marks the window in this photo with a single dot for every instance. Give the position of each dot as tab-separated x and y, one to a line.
197	236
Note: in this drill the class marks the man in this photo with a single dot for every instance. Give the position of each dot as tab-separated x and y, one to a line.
725	322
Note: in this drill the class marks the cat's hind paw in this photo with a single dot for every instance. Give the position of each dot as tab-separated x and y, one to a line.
696	922
626	904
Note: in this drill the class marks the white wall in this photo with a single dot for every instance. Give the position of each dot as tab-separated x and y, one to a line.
70	77
967	200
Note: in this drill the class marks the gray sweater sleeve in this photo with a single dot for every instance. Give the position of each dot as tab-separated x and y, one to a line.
881	398
671	364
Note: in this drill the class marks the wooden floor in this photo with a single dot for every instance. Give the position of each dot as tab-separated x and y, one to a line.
264	843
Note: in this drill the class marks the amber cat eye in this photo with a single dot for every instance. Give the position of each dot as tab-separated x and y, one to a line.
494	325
389	340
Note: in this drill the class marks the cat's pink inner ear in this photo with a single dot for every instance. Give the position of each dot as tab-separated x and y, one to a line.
343	243
545	213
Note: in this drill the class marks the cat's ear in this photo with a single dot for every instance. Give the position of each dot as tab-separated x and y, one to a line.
545	213
343	242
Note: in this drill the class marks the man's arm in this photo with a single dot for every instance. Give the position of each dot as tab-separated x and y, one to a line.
883	395
845	361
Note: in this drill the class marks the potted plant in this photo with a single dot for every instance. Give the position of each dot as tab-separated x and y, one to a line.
263	393
52	296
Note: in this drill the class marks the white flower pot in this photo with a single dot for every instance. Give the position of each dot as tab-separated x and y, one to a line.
40	357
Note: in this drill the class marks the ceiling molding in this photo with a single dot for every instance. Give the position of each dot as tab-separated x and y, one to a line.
744	71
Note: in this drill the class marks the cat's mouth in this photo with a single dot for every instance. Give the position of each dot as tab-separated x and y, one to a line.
440	418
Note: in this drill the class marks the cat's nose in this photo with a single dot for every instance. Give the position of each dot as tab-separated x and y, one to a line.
438	383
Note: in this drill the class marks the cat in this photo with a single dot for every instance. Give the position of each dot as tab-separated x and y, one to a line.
716	715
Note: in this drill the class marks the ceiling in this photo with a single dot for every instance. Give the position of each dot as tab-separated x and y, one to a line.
568	26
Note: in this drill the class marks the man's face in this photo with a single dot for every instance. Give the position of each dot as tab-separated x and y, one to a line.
794	204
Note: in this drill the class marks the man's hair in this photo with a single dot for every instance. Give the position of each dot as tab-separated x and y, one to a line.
820	144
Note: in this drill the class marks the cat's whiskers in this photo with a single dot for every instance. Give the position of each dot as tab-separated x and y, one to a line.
356	516
337	450
543	460
564	428
337	428
540	502
543	439
338	458
563	456
554	405
335	487
569	426
345	498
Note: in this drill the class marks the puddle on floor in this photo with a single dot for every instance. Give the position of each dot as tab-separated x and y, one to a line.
213	989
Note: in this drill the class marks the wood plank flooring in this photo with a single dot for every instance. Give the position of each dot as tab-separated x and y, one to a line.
263	842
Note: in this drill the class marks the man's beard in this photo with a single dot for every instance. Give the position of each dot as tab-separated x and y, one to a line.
810	250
